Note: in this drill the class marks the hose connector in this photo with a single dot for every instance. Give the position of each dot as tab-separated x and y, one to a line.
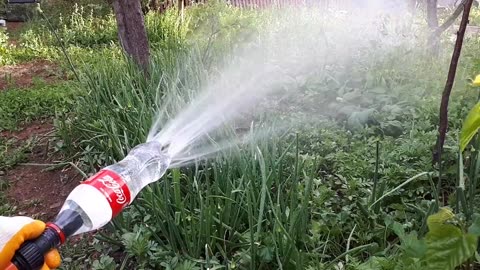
31	254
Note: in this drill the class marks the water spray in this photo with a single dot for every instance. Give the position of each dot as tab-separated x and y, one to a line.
96	201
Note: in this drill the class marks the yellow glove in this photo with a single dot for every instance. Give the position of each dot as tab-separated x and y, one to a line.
16	230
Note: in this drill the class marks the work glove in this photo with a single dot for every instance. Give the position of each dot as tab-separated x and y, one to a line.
16	230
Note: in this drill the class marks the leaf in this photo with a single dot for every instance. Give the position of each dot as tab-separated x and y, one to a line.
477	257
105	263
474	229
414	247
398	230
470	126
378	90
377	263
447	246
359	119
438	227
476	82
450	252
266	254
436	221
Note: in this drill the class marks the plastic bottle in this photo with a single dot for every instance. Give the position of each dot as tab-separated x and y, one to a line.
93	203
104	195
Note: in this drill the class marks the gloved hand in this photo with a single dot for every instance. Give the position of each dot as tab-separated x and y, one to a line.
16	230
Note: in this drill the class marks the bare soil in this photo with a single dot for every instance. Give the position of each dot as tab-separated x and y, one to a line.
27	74
35	128
14	27
35	191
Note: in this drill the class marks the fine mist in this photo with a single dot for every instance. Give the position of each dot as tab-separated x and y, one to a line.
293	46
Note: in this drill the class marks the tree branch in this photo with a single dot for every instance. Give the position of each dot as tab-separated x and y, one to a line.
443	122
445	25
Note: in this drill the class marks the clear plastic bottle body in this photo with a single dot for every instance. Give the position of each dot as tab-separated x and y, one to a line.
145	164
102	196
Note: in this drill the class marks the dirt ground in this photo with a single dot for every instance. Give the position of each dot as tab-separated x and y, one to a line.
33	188
14	27
25	75
35	191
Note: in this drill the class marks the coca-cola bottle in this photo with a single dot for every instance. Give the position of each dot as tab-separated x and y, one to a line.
94	202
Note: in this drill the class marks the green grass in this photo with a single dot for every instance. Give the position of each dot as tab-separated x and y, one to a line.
20	106
13	152
23	105
84	252
225	213
88	31
5	208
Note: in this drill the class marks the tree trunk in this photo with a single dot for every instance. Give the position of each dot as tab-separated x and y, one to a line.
131	31
443	122
432	18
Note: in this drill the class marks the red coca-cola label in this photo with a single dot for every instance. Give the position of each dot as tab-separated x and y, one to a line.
112	186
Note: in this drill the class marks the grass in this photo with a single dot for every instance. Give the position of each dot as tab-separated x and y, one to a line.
291	202
23	105
5	208
85	251
18	107
220	214
13	152
351	190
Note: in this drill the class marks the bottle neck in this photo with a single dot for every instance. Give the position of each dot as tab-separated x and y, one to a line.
69	221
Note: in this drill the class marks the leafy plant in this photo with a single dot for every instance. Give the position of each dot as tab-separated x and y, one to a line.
446	245
18	105
104	263
5	49
470	127
5	207
13	152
